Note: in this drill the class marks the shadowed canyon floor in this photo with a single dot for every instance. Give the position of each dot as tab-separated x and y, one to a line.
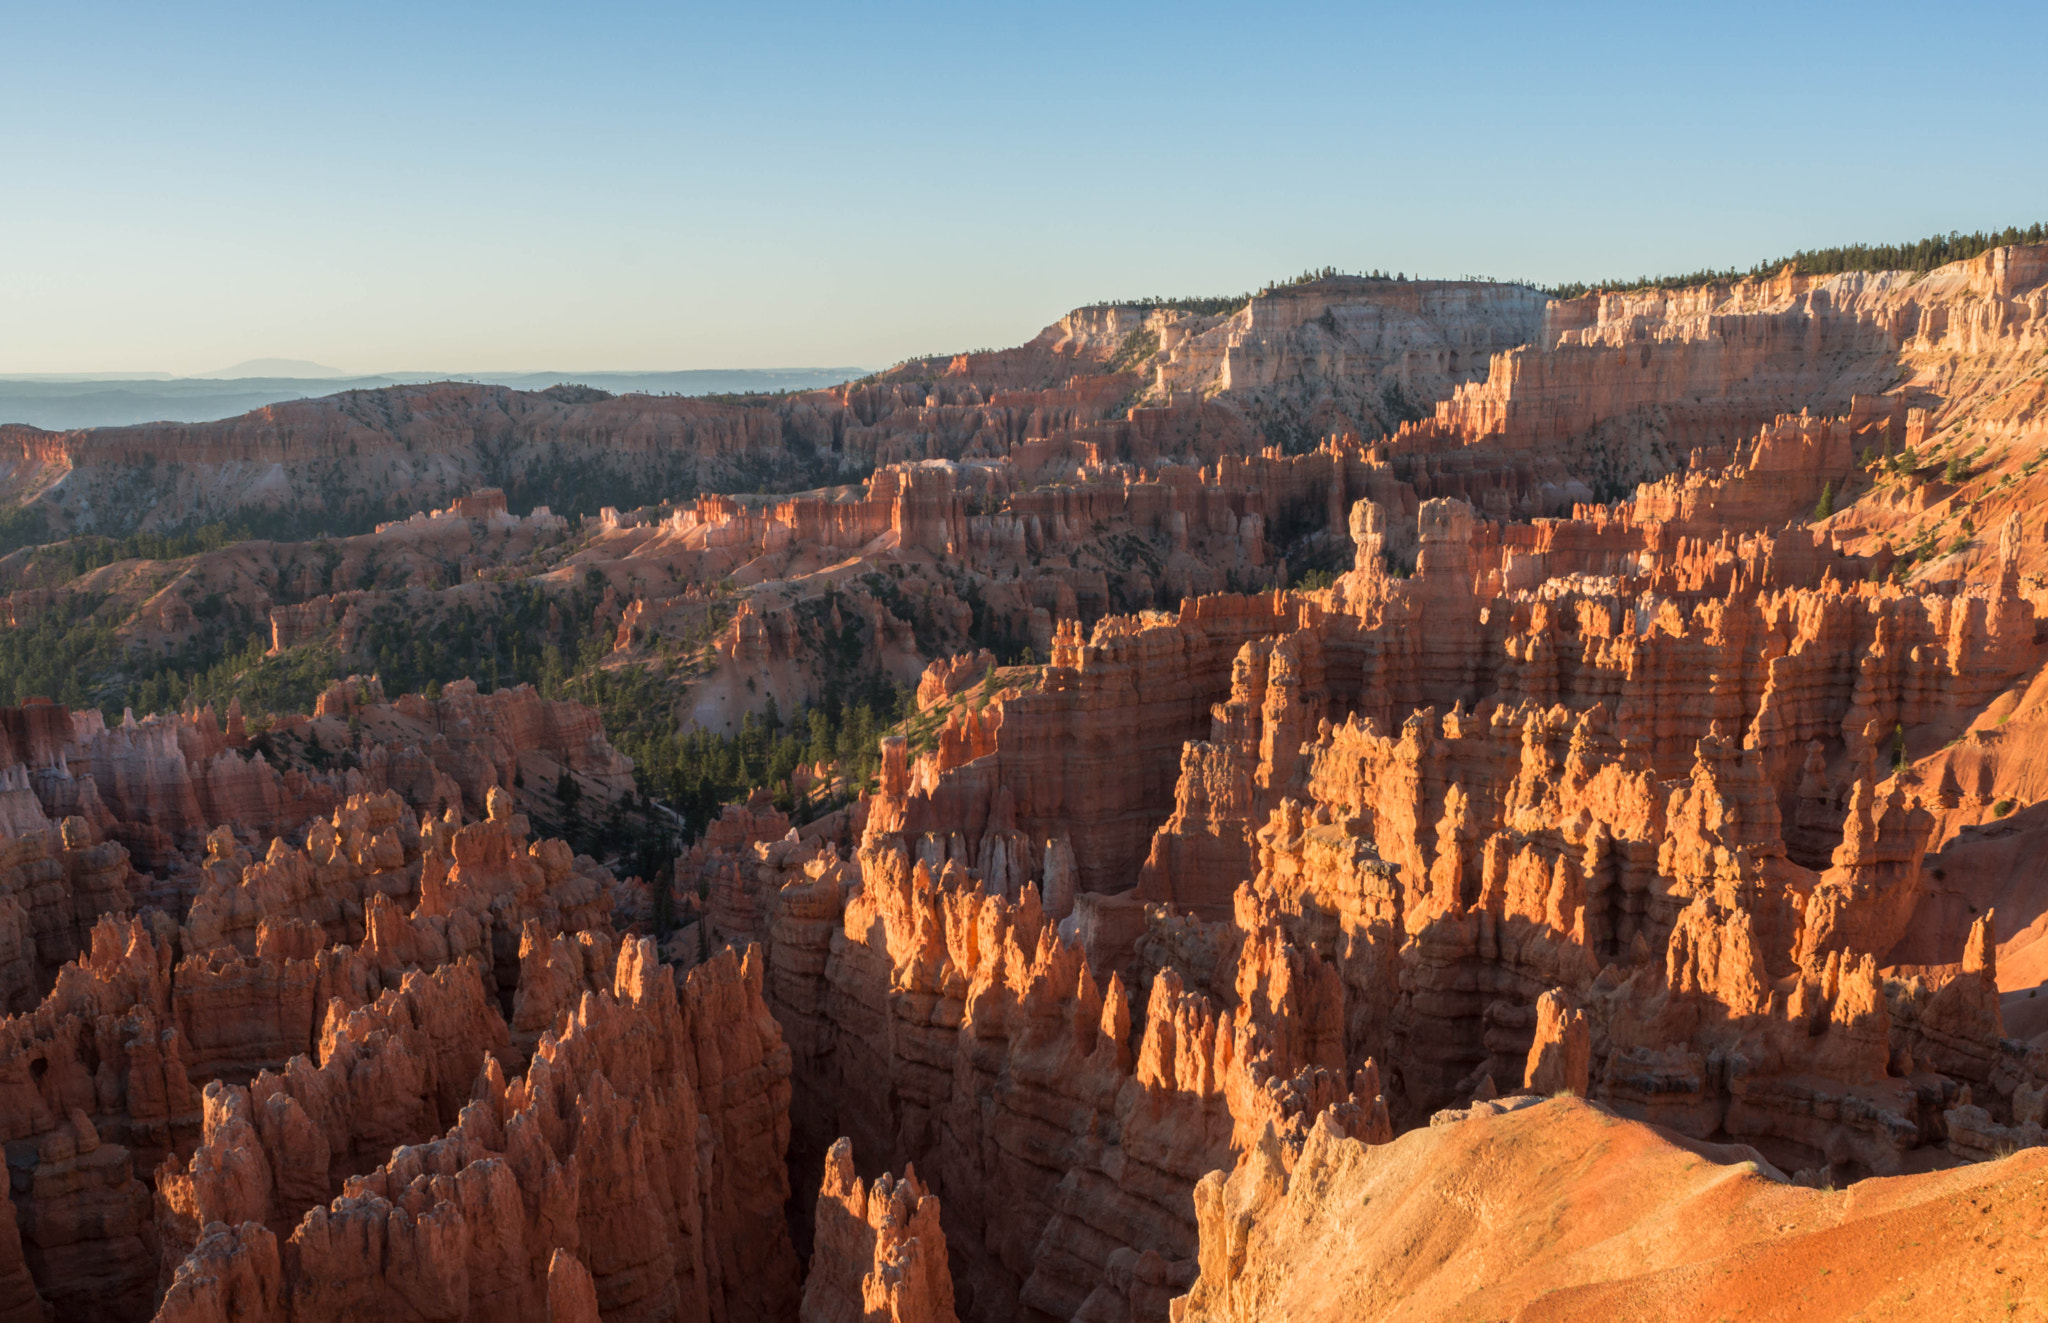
1396	799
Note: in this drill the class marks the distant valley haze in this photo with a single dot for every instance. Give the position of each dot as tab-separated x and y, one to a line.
59	401
273	367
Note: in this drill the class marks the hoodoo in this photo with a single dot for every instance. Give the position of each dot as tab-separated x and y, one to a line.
1380	798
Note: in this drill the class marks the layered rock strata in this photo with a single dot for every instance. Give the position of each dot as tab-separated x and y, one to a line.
1627	840
1689	809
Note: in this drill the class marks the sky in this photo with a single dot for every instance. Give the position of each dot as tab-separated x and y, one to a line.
386	187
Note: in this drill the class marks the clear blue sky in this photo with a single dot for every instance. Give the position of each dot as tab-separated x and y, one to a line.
637	186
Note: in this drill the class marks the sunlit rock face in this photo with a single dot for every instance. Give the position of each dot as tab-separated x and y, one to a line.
1631	821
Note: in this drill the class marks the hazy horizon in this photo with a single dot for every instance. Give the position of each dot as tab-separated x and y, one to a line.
63	402
470	187
409	374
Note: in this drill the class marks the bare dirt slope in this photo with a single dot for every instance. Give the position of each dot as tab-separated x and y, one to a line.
1562	1211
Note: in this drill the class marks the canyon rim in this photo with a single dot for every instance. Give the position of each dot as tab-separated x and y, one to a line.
1381	798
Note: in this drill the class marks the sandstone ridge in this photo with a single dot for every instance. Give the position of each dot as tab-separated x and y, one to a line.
1563	776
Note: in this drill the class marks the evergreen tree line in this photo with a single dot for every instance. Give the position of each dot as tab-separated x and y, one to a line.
1921	256
1209	305
1224	304
697	772
510	644
74	656
1313	274
82	555
641	706
72	653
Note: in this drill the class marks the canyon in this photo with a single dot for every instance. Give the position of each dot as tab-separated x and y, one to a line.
1411	799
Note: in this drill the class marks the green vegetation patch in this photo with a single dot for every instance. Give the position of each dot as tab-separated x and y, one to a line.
1920	256
1137	349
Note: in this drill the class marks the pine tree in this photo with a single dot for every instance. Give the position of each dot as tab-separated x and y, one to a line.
1826	504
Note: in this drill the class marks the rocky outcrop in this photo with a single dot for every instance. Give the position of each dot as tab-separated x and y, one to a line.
92	1091
1006	1019
1601	814
1706	359
20	1302
961	1032
1561	1058
162	785
636	1166
334	1001
1092	751
1583	874
394	1071
1524	813
409	893
56	880
880	1253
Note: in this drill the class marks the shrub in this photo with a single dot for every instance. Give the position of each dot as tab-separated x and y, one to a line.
1137	349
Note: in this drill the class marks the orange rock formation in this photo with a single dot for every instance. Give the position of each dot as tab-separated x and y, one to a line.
1630	806
892	1231
1611	832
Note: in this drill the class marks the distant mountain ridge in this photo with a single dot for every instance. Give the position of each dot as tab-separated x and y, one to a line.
273	367
64	402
